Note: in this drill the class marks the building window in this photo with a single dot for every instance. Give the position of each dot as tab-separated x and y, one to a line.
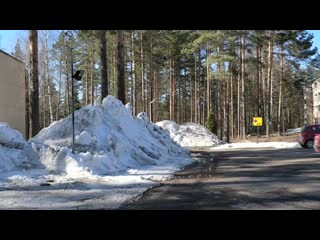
319	108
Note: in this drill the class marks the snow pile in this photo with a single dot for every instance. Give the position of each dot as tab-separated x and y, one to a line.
243	145
190	134
293	131
109	140
15	152
117	157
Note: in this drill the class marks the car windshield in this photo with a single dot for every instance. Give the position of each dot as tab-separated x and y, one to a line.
316	129
304	129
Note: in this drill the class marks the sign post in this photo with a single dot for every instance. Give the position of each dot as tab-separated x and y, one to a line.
257	122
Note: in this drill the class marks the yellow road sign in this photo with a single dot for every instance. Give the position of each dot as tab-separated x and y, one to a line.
257	121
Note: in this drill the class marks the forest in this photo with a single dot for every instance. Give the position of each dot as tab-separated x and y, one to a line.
218	78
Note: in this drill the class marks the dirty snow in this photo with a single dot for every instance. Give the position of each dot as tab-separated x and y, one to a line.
190	134
118	156
278	145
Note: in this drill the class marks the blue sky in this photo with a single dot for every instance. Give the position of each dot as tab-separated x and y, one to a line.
316	39
8	38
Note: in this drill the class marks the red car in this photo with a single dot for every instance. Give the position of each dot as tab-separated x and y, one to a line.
307	134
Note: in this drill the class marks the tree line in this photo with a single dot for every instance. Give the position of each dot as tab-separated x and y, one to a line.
217	78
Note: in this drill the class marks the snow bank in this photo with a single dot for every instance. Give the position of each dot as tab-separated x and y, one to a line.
117	157
190	134
293	131
15	152
279	145
108	140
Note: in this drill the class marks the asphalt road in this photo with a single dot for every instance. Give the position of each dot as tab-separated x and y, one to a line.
240	179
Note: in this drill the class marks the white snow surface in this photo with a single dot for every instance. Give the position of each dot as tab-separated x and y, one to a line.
117	157
243	145
108	140
190	134
10	137
15	152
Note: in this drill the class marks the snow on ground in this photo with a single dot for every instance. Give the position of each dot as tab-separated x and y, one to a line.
279	145
190	134
118	156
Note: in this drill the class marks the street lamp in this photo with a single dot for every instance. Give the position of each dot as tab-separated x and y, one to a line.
78	75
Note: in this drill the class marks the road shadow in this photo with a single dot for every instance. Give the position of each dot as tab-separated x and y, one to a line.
233	179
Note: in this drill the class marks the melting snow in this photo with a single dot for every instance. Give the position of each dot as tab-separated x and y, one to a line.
117	153
190	134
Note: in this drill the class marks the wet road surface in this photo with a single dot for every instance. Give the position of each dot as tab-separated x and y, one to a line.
240	179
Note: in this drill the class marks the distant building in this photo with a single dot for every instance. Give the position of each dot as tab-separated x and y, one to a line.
12	92
316	101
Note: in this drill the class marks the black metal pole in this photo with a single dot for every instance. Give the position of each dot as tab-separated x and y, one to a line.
72	100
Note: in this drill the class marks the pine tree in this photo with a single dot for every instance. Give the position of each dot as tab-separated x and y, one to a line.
18	51
34	83
120	66
103	62
210	124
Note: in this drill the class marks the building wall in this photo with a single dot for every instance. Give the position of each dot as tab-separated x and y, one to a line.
316	101
12	92
309	105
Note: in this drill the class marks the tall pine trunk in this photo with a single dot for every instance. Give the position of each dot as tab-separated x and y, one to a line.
59	92
133	76
34	83
243	110
208	80
172	87
104	66
191	93
269	93
239	89
120	66
143	90
231	102
91	77
48	81
196	98
27	119
280	92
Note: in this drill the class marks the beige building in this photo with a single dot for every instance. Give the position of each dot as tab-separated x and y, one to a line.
12	92
316	101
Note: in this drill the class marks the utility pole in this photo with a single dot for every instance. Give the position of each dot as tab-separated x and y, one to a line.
72	96
77	76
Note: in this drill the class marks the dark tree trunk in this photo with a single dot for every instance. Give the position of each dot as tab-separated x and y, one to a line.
34	82
104	66
120	64
27	119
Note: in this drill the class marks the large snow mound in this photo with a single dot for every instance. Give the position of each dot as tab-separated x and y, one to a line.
190	134
15	152
108	140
